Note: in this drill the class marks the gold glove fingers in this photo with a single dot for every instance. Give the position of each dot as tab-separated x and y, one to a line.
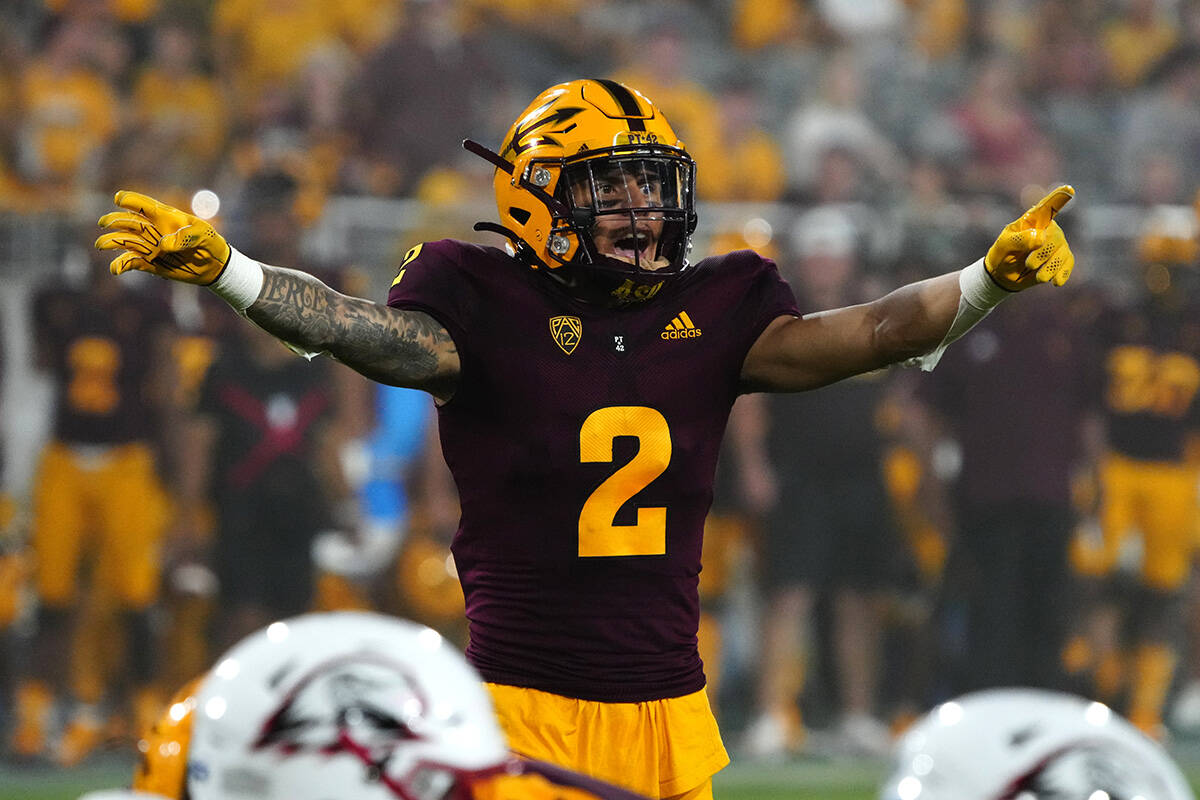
132	223
162	240
119	240
127	261
160	214
1033	249
1046	209
1053	261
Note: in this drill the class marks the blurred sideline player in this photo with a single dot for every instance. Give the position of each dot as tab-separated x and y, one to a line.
1185	712
261	450
1029	744
99	508
14	569
378	467
189	585
829	532
1014	533
1148	384
398	556
350	704
584	377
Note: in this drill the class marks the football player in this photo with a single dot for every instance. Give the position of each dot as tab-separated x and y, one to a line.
1148	392
1030	744
350	704
584	375
99	503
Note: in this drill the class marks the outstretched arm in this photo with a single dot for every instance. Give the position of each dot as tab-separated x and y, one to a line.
398	347
916	322
797	353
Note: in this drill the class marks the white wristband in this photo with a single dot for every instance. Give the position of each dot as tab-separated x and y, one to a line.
979	295
979	289
240	282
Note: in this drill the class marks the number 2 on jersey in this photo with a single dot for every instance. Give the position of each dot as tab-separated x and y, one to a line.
598	535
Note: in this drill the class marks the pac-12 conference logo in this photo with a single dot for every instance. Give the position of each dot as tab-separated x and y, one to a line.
566	332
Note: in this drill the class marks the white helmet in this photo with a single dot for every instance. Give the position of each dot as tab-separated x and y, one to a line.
334	705
1005	744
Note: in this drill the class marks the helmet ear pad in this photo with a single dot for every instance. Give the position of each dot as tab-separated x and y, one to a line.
532	217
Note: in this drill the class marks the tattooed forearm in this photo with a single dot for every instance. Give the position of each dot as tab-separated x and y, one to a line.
402	348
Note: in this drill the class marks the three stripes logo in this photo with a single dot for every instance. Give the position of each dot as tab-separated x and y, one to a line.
681	327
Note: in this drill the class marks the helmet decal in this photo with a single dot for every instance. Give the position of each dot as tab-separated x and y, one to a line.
628	103
364	696
338	704
520	140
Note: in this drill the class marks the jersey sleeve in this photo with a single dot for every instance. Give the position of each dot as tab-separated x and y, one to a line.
432	279
765	295
776	298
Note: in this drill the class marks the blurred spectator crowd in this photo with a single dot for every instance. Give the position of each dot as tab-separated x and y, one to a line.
860	143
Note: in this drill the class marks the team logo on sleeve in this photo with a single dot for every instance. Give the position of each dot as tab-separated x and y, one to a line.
566	332
681	327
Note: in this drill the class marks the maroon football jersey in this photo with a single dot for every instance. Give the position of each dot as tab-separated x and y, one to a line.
99	349
1149	378
584	442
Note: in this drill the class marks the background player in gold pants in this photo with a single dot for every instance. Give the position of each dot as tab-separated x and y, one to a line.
99	507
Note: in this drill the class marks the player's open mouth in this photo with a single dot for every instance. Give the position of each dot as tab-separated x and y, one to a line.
634	249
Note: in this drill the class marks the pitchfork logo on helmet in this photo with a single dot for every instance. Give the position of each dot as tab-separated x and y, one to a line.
595	190
362	698
345	704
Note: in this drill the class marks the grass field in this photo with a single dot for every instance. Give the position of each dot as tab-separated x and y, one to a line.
798	780
849	780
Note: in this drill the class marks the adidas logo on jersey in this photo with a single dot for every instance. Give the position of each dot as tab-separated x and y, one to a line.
681	327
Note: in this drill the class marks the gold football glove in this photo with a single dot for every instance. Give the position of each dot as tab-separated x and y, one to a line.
162	240
1033	249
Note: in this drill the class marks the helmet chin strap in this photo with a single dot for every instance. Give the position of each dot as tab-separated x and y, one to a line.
523	251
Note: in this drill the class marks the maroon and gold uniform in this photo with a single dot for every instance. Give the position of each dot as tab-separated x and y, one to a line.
98	501
97	485
589	591
1151	375
1150	381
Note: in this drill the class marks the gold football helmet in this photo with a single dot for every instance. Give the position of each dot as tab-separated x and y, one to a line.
596	191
